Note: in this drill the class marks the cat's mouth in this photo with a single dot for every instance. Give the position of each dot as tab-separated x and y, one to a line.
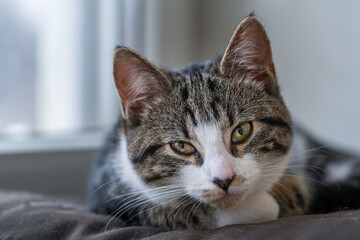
220	199
227	201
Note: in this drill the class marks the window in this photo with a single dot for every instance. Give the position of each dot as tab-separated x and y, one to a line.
55	69
56	87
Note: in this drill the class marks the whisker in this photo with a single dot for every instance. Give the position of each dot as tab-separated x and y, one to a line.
162	188
159	195
294	175
186	203
192	212
174	208
140	202
108	182
274	182
159	205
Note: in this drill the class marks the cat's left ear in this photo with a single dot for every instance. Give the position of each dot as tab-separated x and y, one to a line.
138	82
248	51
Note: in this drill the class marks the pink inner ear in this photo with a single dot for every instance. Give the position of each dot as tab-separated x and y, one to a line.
129	83
261	52
136	79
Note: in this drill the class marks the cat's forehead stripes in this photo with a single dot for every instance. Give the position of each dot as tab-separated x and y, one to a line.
203	96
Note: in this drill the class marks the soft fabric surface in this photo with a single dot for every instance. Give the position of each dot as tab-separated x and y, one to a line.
29	216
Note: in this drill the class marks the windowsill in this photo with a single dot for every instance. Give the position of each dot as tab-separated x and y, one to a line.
86	140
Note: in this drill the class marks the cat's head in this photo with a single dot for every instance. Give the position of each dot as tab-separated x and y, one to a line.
216	132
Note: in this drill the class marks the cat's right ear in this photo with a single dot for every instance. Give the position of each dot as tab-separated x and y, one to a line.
138	82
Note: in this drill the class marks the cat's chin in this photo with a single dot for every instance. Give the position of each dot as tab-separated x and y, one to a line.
227	201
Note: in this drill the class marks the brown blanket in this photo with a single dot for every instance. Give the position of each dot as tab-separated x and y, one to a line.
29	216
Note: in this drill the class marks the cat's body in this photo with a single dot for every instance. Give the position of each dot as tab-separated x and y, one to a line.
207	145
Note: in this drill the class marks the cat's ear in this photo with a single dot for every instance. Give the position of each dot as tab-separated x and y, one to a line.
248	51
137	80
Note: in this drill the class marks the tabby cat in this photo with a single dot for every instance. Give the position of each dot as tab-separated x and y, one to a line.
209	145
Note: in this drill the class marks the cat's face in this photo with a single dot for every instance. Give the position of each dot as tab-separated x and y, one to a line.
215	132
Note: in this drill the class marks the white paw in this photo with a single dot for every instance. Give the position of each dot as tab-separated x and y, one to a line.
261	207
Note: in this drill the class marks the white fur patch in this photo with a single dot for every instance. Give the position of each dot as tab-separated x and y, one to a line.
339	171
298	153
195	181
128	175
218	162
261	207
298	147
125	169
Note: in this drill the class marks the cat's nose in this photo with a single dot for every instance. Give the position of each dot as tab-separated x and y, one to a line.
223	184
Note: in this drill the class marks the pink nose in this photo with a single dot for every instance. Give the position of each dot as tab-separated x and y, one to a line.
223	184
218	167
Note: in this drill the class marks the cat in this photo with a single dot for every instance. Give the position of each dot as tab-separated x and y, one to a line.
210	144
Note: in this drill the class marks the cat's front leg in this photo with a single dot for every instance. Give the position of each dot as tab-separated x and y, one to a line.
260	207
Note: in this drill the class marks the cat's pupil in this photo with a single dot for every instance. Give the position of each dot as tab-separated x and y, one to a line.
240	131
181	146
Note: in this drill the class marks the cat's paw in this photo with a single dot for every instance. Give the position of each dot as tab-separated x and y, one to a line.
260	207
292	195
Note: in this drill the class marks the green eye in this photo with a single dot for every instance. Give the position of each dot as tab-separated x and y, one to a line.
182	147
241	132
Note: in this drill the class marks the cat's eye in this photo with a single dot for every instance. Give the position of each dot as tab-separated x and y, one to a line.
241	132
182	147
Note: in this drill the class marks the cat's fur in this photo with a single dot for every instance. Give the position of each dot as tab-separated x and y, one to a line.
139	177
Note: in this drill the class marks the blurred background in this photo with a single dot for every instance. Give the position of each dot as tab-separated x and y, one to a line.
57	97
